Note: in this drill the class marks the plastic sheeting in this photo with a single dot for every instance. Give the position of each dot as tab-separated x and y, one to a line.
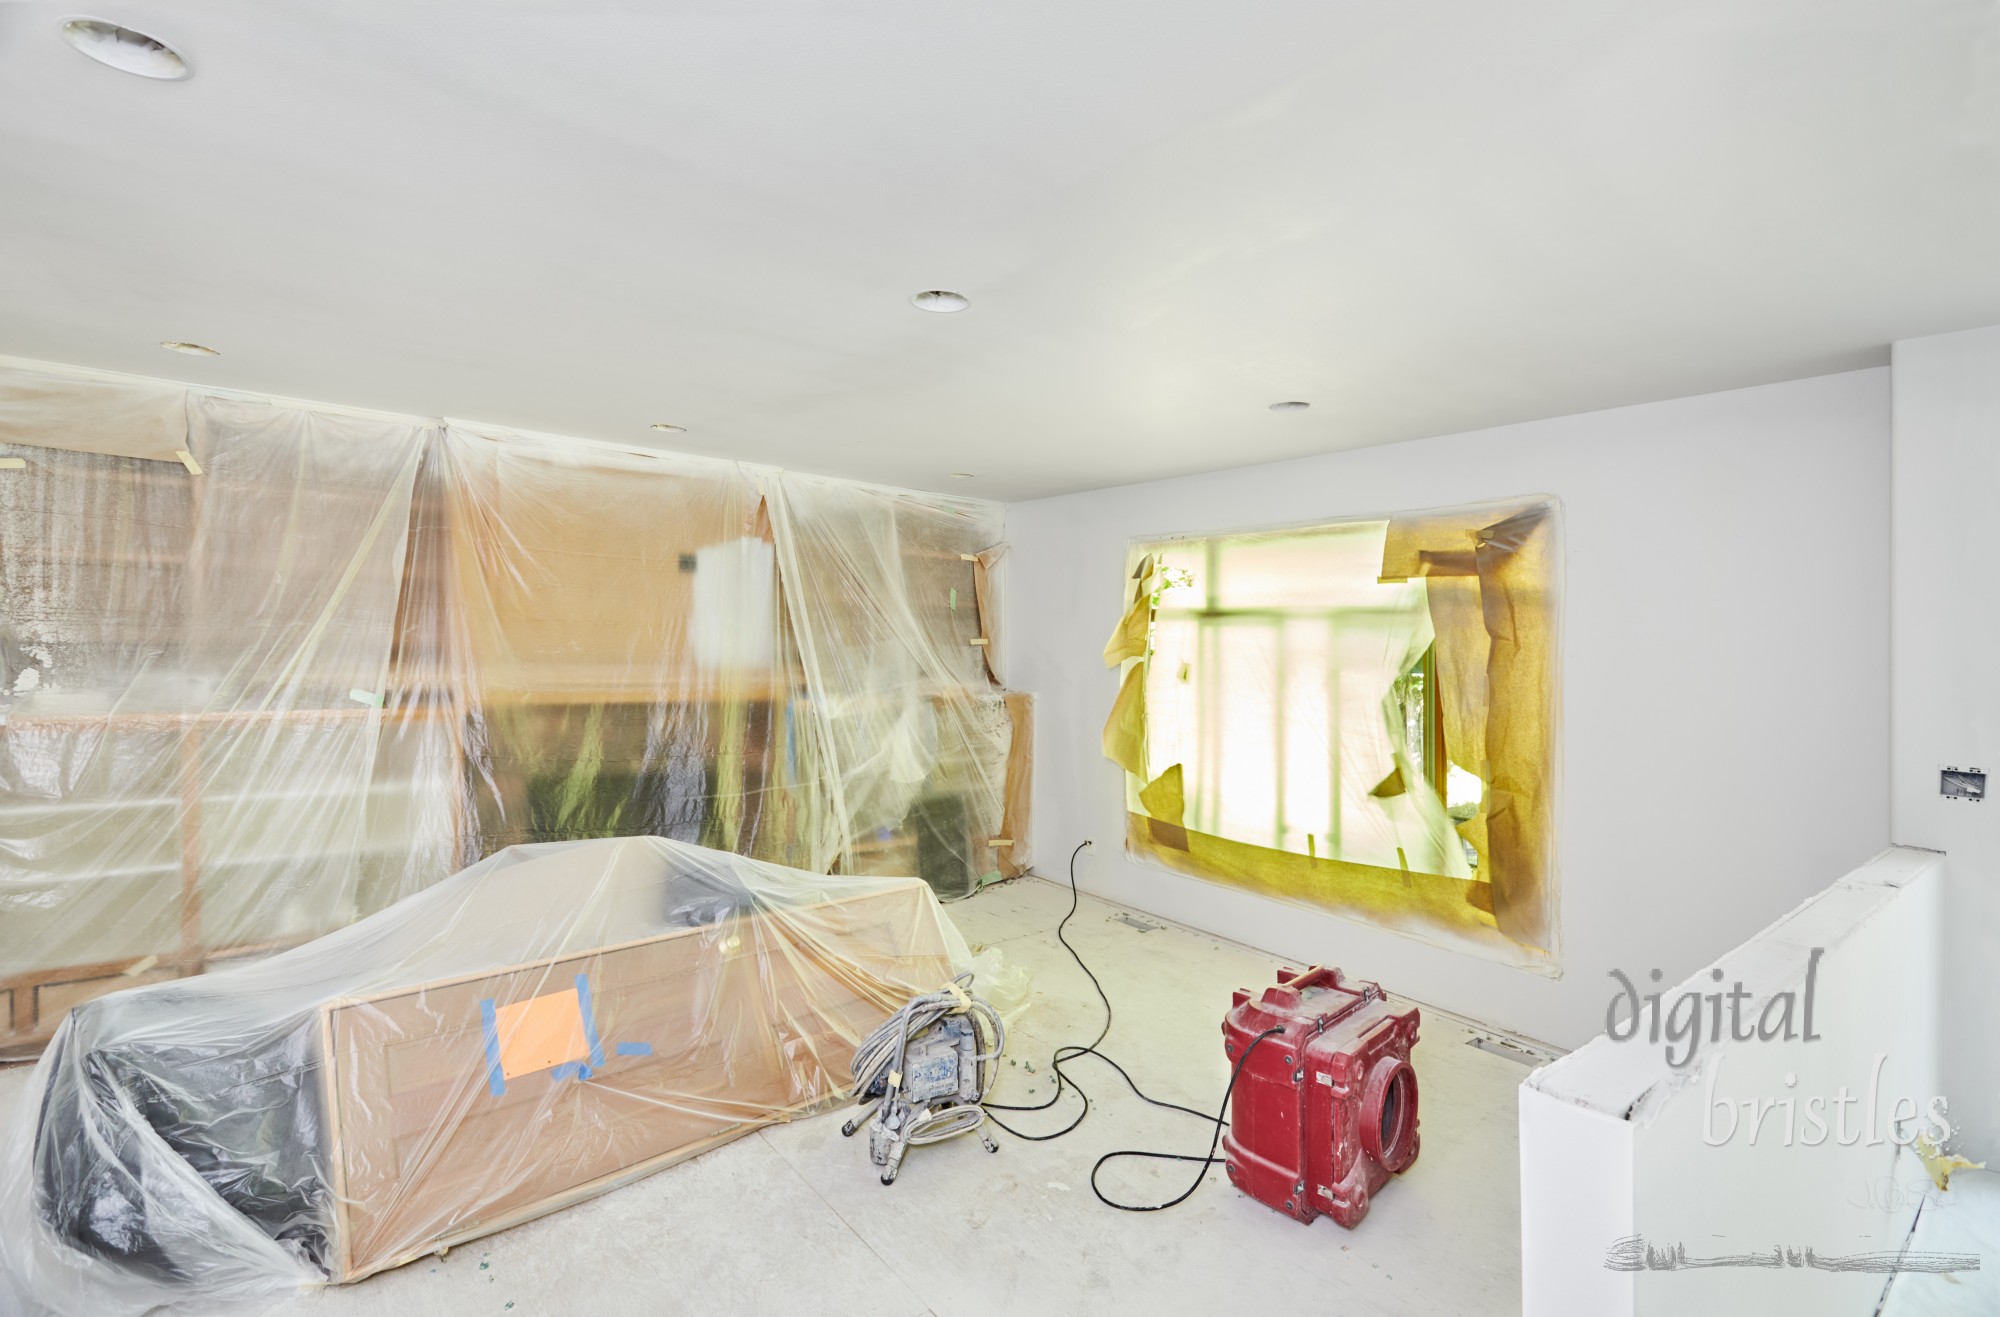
243	708
889	668
546	1025
88	413
186	757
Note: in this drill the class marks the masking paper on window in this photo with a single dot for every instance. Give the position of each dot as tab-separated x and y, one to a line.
1510	553
1313	712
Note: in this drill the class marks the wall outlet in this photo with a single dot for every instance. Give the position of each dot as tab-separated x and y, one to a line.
1962	783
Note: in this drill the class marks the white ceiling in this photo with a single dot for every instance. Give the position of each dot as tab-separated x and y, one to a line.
1421	215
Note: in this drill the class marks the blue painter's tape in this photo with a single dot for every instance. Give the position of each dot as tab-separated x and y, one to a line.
635	1049
589	1023
496	1081
570	1070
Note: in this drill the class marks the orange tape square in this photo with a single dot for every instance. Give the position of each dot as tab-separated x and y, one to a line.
540	1032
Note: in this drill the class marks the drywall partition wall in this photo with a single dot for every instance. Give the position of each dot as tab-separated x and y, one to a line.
1575	1196
1638	1175
1724	714
1946	710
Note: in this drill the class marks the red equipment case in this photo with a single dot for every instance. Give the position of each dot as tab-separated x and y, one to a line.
1325	1110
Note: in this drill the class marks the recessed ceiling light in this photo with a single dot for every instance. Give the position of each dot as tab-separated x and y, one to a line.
669	427
940	300
962	475
1293	406
192	349
124	49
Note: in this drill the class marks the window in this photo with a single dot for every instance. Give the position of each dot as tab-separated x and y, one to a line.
1312	713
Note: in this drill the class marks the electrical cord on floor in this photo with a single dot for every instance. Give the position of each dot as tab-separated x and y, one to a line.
1070	1052
1207	1160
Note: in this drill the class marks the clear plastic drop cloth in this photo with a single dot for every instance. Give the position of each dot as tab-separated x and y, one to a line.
191	672
914	736
330	660
550	1023
609	622
602	643
87	412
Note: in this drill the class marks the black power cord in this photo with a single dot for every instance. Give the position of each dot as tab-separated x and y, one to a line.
1070	1052
1206	1161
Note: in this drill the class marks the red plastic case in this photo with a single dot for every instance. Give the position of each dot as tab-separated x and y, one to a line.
1325	1111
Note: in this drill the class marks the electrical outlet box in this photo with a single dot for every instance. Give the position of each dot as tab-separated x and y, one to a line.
1962	783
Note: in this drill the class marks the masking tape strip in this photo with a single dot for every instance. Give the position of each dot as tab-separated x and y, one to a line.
980	641
13	463
496	1082
589	1022
998	842
968	557
187	460
964	1002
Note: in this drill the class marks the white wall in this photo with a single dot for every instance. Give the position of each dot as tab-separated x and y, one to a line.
1576	1198
1725	720
1946	652
1714	1181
